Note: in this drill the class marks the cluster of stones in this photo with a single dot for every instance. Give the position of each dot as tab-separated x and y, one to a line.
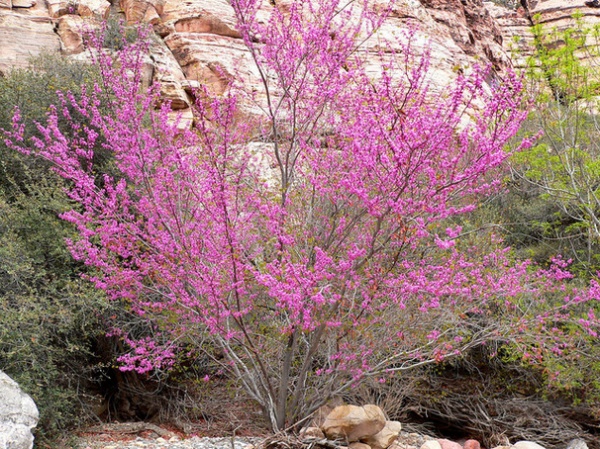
363	427
366	427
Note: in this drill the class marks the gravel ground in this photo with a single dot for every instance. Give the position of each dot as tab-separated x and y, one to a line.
171	443
405	440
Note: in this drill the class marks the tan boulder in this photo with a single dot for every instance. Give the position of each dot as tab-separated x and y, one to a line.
319	415
353	423
385	437
6	4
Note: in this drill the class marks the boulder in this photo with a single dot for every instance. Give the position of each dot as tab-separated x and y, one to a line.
353	423
18	415
385	437
6	4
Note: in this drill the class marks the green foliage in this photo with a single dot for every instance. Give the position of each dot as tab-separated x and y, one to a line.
554	205
116	35
558	61
49	317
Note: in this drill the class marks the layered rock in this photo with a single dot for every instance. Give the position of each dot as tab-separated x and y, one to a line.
25	33
469	24
517	37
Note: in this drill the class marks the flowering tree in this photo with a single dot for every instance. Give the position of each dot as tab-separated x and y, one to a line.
310	242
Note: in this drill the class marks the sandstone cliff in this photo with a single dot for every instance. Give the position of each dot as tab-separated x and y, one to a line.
197	40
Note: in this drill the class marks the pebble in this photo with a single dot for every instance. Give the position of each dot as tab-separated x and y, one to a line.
175	443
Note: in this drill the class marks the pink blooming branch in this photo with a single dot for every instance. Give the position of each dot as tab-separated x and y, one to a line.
326	258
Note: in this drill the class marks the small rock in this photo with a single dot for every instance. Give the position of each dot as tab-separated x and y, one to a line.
527	445
358	445
577	443
161	440
173	439
447	444
472	444
431	444
311	432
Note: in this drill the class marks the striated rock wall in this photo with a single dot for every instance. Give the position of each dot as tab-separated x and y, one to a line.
516	25
197	41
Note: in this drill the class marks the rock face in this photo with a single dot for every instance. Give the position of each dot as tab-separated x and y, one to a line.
25	33
471	27
516	24
517	37
353	423
198	43
200	37
18	415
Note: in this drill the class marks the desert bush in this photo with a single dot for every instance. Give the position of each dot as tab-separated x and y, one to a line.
50	316
336	267
554	187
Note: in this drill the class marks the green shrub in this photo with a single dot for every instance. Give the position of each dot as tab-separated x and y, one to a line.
49	316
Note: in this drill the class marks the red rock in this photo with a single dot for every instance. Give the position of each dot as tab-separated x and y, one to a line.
471	444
